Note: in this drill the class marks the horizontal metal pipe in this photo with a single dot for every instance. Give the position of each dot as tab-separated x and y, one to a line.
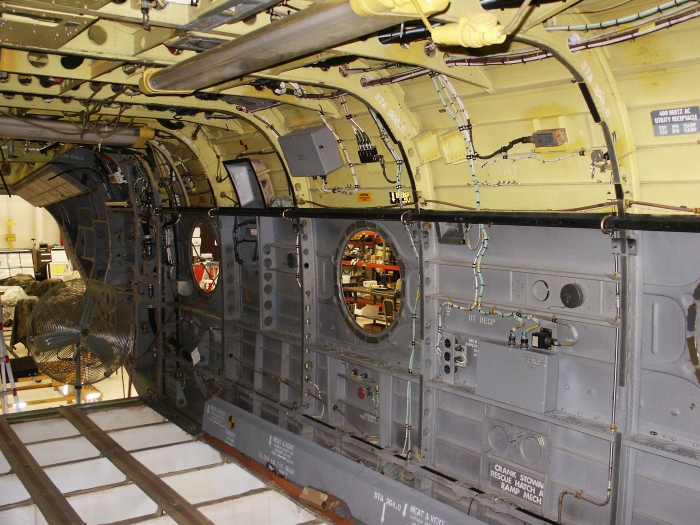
321	26
657	223
224	212
59	131
595	221
561	220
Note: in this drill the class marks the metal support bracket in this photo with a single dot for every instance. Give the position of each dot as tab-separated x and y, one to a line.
625	246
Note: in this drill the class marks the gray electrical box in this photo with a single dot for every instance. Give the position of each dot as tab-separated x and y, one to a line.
522	378
311	152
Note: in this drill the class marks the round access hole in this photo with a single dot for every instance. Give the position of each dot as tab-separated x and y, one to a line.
370	281
205	257
38	60
97	35
531	450
498	439
540	290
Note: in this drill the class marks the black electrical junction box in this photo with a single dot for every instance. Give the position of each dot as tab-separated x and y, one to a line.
543	339
368	154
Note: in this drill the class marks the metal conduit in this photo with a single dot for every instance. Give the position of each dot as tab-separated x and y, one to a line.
58	131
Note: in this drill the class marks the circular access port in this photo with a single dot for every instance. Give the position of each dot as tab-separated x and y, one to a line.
498	439
447	356
447	369
205	257
370	281
448	343
540	290
572	295
531	450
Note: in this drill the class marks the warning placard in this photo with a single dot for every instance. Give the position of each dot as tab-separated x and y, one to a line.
679	121
519	484
394	196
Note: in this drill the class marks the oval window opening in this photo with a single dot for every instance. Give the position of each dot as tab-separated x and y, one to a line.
205	257
371	281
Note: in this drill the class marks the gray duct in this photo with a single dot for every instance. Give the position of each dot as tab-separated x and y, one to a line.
322	26
57	131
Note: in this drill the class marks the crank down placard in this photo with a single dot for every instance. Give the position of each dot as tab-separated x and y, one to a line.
518	484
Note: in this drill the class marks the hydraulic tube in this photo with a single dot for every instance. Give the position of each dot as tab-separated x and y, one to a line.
58	131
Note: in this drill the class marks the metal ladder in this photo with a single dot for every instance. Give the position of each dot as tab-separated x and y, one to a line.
6	373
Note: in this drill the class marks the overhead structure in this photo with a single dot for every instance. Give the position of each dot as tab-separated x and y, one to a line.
435	260
331	22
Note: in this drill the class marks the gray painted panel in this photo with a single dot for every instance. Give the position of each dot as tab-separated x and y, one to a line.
368	494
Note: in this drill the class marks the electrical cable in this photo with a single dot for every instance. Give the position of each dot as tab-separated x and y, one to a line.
517	19
167	339
532	156
601	40
397	159
321	96
2	174
337	409
251	153
365	148
602	10
344	70
264	373
424	18
351	118
521	323
167	162
645	29
455	108
348	190
323	403
505	149
574	333
93	108
260	118
620	21
409	383
298	250
458	112
383	165
514	57
393	79
236	242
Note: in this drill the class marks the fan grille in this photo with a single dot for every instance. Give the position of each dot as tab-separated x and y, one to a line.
83	326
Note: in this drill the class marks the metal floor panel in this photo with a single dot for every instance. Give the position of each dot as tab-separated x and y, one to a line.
212	485
46	496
